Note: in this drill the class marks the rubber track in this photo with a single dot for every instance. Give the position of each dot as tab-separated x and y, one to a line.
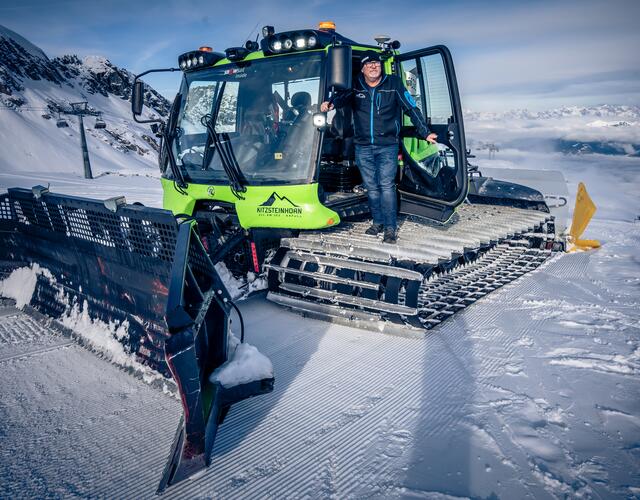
481	249
450	293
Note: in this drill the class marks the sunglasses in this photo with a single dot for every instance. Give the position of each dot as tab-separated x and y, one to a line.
372	63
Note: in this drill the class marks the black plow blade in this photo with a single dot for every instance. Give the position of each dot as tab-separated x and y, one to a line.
198	309
139	265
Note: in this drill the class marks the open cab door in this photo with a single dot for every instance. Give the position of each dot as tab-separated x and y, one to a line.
433	179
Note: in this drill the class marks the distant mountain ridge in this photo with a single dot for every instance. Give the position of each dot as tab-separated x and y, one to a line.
613	111
606	129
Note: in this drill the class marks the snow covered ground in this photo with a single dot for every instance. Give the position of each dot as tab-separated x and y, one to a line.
532	392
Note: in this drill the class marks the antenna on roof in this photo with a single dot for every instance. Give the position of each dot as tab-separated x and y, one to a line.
248	37
381	40
384	43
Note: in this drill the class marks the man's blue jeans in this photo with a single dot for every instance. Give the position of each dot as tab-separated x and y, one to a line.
378	166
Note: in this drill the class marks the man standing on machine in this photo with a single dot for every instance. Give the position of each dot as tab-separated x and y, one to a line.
377	101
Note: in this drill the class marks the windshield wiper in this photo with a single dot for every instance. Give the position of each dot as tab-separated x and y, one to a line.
168	134
222	144
209	121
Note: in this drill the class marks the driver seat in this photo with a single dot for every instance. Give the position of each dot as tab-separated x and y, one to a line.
301	102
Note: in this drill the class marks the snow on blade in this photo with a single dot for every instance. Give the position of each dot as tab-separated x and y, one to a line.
105	338
234	285
246	364
21	284
100	336
256	283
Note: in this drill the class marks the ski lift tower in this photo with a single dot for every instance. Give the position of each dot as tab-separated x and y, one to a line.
80	109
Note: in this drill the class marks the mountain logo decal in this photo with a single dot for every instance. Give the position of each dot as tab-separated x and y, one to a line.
279	206
275	196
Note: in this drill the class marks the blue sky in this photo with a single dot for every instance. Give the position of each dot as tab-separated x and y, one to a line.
537	54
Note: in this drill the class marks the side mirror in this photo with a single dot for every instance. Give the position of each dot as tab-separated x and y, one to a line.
339	66
137	98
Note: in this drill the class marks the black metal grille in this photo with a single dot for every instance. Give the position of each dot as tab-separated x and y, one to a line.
199	260
146	232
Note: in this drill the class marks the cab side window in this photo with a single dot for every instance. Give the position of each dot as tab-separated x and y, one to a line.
426	80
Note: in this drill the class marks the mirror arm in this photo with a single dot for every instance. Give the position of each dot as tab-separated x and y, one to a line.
137	77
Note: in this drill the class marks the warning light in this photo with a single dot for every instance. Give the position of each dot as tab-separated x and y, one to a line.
331	222
327	26
205	49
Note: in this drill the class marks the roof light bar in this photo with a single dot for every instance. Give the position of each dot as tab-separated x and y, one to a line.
279	43
196	59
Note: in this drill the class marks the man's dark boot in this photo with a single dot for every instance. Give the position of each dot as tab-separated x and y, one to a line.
389	235
374	229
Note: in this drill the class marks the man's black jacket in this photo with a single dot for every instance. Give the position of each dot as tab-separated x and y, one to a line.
377	116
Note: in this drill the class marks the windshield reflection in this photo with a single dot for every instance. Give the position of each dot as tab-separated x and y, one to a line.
265	108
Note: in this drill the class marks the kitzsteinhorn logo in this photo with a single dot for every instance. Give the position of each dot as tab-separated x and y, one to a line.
279	205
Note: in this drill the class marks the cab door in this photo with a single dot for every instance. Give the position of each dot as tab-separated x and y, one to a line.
433	179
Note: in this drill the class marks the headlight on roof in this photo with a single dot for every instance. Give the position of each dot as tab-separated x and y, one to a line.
278	43
204	56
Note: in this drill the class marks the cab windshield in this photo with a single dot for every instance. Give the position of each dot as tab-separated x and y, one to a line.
265	110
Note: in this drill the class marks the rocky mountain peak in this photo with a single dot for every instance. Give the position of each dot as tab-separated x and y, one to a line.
21	62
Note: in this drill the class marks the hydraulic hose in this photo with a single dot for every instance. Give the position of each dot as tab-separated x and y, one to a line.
241	321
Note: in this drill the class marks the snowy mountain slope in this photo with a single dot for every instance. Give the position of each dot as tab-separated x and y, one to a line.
34	89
